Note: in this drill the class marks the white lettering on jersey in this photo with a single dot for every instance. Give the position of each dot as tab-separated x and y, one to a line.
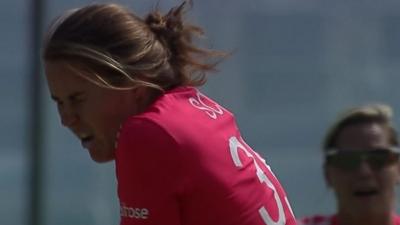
234	146
211	111
133	213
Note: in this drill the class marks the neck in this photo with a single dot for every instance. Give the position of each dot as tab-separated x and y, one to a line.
365	218
148	97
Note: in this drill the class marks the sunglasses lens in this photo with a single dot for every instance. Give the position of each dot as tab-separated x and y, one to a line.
351	160
344	160
378	159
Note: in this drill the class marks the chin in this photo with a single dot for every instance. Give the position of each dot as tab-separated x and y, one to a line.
101	158
371	209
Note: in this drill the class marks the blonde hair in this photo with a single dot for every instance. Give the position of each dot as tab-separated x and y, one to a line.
123	51
378	113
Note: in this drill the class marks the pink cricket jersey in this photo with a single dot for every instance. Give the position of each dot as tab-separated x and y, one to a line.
184	162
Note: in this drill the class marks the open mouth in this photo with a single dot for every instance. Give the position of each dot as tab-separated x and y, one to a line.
365	193
87	141
88	138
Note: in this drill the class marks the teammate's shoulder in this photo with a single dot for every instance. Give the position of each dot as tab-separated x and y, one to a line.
316	220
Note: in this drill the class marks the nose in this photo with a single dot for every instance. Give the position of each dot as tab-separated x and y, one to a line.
365	168
68	117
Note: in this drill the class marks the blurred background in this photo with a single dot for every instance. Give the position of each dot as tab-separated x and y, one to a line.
296	64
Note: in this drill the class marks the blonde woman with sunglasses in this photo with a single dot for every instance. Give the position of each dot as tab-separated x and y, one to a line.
362	167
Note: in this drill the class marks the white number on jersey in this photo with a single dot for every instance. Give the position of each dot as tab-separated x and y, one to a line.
235	145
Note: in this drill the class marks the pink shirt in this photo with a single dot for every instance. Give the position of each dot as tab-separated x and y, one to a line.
184	162
331	220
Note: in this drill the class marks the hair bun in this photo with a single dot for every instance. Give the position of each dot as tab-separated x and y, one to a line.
168	26
156	22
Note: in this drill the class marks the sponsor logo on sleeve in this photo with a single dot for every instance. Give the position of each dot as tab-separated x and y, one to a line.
133	212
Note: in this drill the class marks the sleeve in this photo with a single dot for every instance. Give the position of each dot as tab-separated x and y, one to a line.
148	173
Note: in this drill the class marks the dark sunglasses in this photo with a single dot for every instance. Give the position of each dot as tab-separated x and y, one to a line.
351	160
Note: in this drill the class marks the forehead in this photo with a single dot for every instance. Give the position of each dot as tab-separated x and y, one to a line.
363	136
62	77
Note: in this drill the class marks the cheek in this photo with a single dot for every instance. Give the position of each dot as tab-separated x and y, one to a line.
114	111
390	176
110	115
110	110
96	114
338	181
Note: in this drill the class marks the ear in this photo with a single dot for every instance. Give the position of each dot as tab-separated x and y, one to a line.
327	175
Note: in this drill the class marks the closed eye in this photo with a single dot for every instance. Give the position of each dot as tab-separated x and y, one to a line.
74	98
56	100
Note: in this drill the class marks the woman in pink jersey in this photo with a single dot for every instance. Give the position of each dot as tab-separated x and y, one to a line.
362	167
126	87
